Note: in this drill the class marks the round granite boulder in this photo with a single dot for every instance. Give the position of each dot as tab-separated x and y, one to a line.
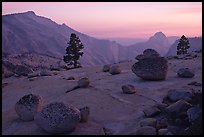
83	82
151	68
28	106
114	70
58	118
128	89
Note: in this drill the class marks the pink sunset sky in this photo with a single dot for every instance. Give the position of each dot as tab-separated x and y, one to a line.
119	19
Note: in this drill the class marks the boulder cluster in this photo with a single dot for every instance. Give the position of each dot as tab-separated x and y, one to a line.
112	69
178	113
54	118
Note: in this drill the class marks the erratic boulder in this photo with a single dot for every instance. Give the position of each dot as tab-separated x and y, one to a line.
185	73
128	89
28	106
83	82
58	118
114	70
151	68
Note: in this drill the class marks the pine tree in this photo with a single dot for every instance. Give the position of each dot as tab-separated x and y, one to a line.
183	45
73	51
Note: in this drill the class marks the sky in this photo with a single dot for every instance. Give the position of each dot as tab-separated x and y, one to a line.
119	19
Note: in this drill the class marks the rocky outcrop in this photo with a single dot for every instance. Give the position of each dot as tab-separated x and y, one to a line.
22	70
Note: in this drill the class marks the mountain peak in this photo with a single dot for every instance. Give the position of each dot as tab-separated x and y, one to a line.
30	13
159	34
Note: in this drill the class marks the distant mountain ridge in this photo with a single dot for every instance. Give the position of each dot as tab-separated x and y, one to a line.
29	33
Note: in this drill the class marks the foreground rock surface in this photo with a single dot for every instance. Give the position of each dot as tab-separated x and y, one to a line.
110	108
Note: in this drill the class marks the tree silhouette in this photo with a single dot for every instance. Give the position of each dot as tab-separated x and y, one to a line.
73	51
183	45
